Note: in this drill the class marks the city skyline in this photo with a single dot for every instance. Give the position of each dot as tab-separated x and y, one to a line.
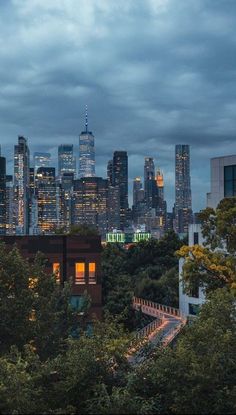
169	185
146	90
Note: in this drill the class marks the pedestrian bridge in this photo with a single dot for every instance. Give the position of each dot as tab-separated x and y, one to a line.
162	331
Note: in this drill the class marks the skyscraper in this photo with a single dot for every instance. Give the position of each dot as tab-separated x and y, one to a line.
65	200
10	225
183	198
137	191
66	160
86	152
41	160
21	186
139	206
46	197
2	195
120	179
149	182
89	202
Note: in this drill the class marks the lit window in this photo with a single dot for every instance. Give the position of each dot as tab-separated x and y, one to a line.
80	273
92	271
56	271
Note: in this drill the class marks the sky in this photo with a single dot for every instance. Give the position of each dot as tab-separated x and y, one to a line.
154	73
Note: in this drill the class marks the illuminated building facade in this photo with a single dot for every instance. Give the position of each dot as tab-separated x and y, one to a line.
10	226
65	201
46	197
76	257
66	160
149	182
120	179
183	198
2	195
86	152
89	202
41	160
21	186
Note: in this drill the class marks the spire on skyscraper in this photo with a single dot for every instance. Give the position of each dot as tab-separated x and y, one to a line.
86	118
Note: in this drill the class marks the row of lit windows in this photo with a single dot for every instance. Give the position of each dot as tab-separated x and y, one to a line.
79	272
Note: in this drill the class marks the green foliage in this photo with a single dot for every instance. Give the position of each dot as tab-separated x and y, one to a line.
219	226
33	307
147	269
198	375
213	265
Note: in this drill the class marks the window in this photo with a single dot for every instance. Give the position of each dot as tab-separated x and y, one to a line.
230	181
195	238
92	271
80	273
77	302
56	271
193	309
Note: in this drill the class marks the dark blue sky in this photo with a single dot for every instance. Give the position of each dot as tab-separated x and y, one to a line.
154	73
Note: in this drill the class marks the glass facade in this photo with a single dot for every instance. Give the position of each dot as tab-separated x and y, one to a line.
230	181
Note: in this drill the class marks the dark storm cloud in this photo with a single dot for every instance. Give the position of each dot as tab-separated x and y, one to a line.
153	73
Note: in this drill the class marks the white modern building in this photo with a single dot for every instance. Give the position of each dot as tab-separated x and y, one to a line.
223	179
223	184
189	305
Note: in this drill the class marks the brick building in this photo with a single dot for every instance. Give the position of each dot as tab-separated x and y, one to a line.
76	257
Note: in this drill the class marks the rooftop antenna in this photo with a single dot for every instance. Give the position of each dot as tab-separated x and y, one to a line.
86	118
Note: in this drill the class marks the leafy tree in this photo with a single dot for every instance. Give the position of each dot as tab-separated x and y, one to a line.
33	307
213	265
195	377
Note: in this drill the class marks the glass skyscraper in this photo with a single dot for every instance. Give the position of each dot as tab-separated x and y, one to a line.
41	160
120	179
21	186
183	198
86	152
66	159
2	195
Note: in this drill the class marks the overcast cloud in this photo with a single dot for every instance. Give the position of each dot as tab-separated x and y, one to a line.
154	73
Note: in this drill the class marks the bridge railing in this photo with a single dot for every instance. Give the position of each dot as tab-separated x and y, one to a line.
175	312
150	328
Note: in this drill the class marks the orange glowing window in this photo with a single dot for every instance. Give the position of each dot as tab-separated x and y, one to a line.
56	271
92	271
80	273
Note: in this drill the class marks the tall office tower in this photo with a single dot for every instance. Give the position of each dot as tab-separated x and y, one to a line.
160	183
89	202
223	179
183	198
86	152
10	226
110	172
139	205
46	196
149	182
65	200
137	191
66	160
31	197
2	195
21	186
120	179
41	160
161	205
113	208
